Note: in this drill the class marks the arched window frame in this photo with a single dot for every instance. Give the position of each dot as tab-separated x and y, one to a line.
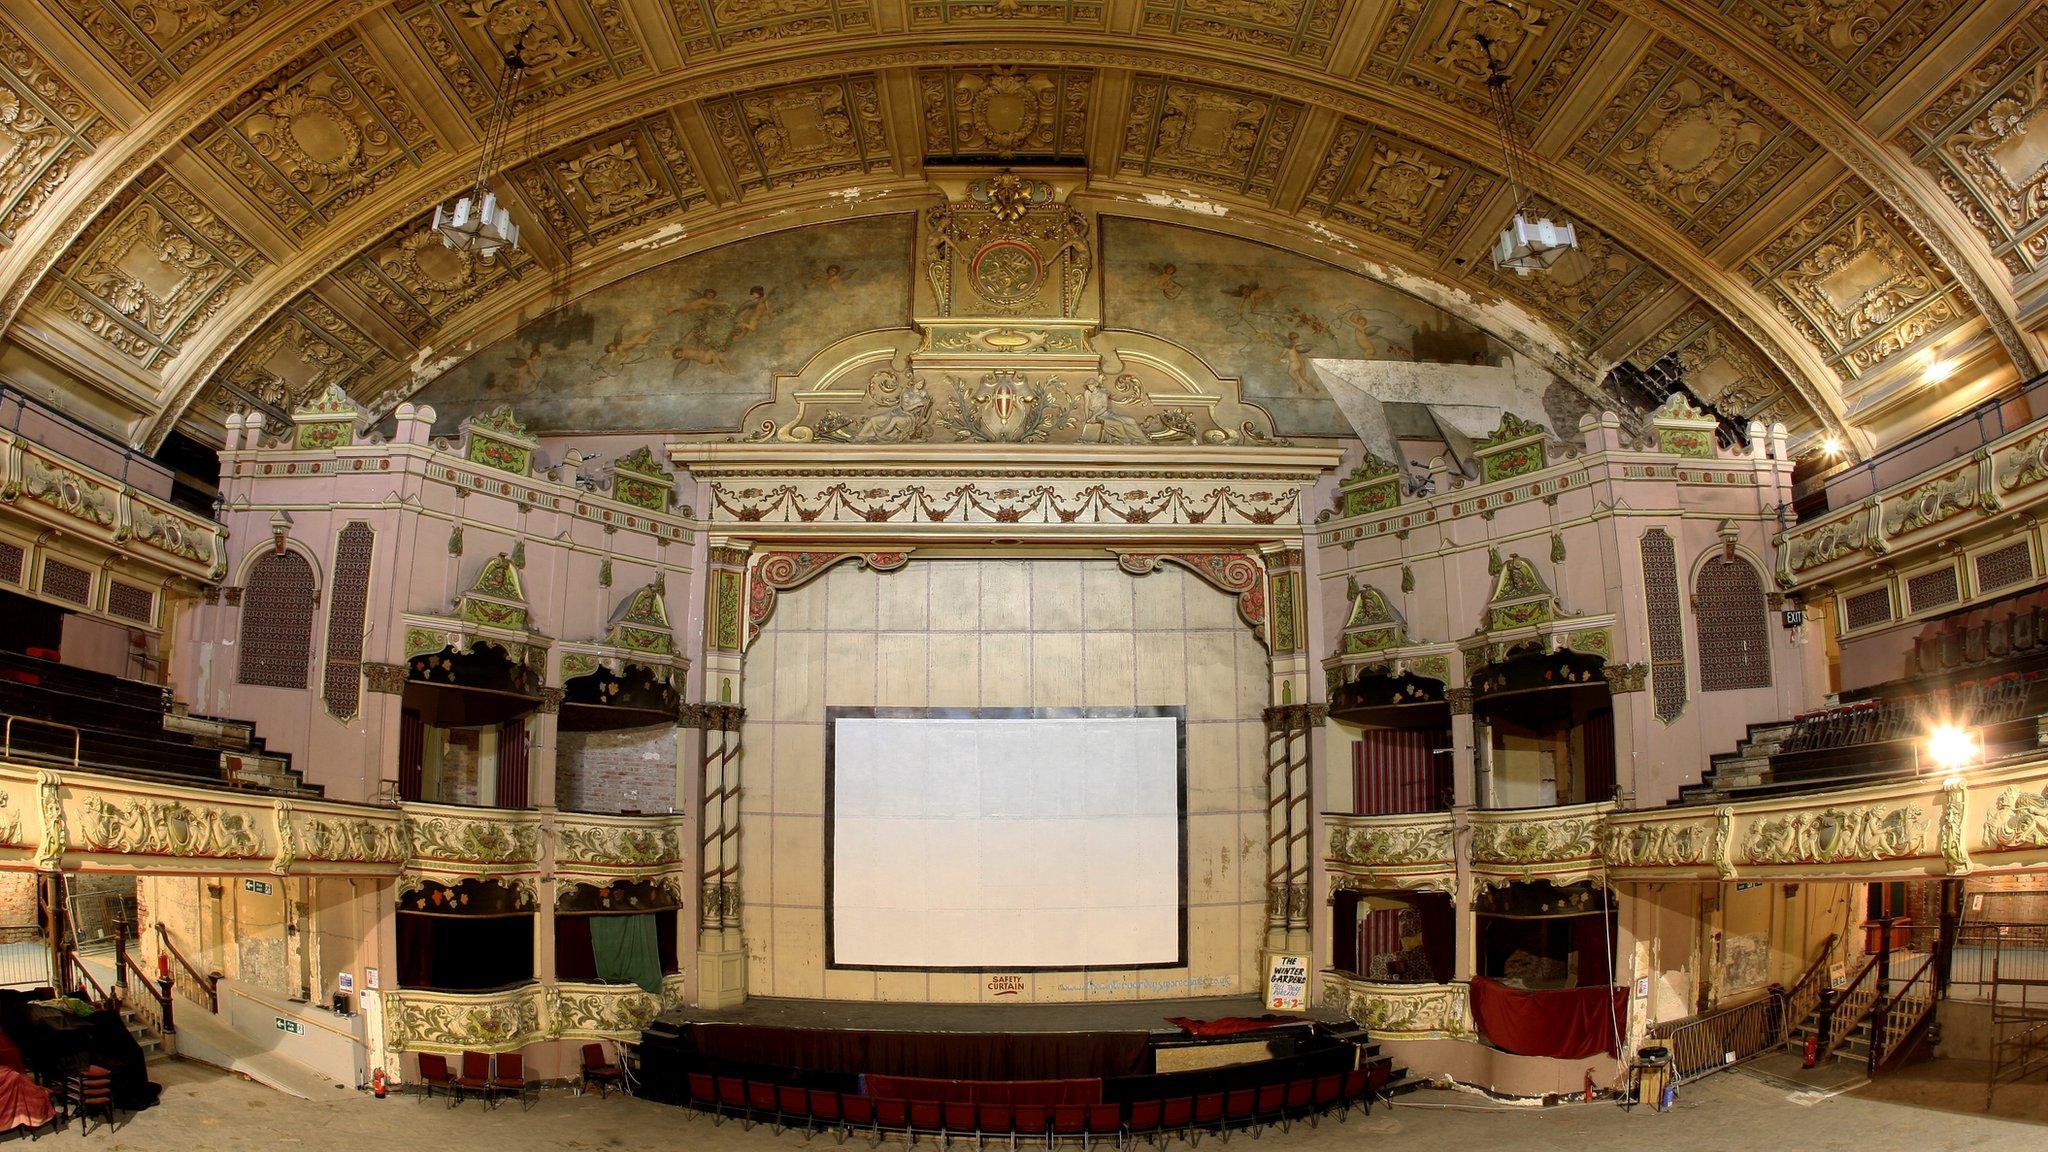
1712	630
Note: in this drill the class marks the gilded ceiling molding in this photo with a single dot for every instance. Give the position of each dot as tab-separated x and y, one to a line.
1939	224
614	103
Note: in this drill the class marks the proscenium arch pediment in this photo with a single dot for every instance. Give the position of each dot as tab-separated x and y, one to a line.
605	107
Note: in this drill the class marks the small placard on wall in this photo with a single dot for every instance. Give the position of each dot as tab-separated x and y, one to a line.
1287	982
346	982
259	887
370	978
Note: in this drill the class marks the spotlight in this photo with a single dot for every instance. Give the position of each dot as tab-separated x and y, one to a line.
1937	371
1831	447
1953	748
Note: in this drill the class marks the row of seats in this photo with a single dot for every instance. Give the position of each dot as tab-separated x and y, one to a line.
1189	1117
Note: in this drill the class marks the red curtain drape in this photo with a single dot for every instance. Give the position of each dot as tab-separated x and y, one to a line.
1562	1023
1396	770
1599	738
512	771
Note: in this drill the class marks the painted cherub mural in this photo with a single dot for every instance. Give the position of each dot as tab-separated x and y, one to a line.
691	343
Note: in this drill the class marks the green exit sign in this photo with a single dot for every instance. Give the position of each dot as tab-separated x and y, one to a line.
291	1026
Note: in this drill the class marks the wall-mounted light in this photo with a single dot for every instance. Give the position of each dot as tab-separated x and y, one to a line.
1954	748
1937	370
1831	447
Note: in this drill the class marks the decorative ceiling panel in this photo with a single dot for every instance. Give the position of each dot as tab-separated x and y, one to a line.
294	357
1589	293
153	42
1853	48
1690	140
607	184
568	46
1850	276
1086	13
157	263
46	127
324	131
416	282
1215	137
1298	28
1004	112
779	137
1393	187
711	26
1440	48
1721	366
1985	140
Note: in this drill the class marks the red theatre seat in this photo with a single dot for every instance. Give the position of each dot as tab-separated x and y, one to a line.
1240	1108
761	1103
732	1098
995	1119
1145	1117
1176	1114
792	1104
958	1120
1208	1116
1031	1120
824	1109
859	1112
927	1116
1103	1120
1357	1083
434	1071
891	1114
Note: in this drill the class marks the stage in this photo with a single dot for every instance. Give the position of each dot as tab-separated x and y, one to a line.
994	1019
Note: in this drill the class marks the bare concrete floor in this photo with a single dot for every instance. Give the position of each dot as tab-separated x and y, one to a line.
1958	1086
205	1110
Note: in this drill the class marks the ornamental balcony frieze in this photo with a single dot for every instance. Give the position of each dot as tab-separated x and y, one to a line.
1950	499
1401	1011
1537	843
464	841
51	490
510	1019
53	819
1407	851
600	848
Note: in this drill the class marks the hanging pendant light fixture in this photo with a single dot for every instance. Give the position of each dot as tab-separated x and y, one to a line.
1531	242
477	223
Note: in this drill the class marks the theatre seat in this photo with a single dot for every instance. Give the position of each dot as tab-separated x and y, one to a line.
732	1099
994	1119
1269	1106
1208	1117
928	1118
792	1106
1240	1108
704	1094
1068	1120
859	1112
958	1120
1376	1078
892	1115
1031	1120
1327	1092
1144	1119
824	1109
1176	1114
1300	1103
1357	1083
1103	1120
761	1106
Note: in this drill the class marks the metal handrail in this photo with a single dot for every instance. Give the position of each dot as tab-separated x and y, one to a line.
1848	1009
7	737
1897	1017
210	983
1804	994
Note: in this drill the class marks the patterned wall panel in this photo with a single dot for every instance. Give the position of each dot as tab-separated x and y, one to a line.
11	559
569	46
1853	48
1731	616
1407	192
46	128
613	182
1440	48
1215	137
153	42
779	137
1936	589
1299	28
2005	567
131	603
277	622
709	26
1004	112
1867	609
66	581
1667	628
341	685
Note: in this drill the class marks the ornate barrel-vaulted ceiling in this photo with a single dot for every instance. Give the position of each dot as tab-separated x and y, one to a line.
1835	212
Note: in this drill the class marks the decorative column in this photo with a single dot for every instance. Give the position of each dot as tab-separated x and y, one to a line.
1626	688
1290	815
1464	774
721	954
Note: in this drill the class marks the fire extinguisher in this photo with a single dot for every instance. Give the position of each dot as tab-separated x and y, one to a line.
377	1084
1812	1053
1589	1085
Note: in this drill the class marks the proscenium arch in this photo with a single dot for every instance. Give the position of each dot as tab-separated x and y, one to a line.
613	103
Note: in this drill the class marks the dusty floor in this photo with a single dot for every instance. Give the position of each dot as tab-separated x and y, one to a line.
1958	1085
206	1110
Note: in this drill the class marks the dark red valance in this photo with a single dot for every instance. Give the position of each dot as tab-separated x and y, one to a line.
1230	1025
1562	1023
935	1055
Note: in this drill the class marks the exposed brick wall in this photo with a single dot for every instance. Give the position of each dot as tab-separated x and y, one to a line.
18	906
626	769
459	754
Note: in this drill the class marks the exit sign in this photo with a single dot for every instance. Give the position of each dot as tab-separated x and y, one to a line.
291	1026
259	887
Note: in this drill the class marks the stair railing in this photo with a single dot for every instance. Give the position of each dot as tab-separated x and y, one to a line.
1804	995
7	737
1897	1021
185	978
81	979
153	1008
1840	1014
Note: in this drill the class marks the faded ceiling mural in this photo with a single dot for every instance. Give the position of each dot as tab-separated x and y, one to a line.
1264	315
693	343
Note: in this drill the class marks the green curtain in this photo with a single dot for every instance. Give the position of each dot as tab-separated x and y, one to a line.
627	948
